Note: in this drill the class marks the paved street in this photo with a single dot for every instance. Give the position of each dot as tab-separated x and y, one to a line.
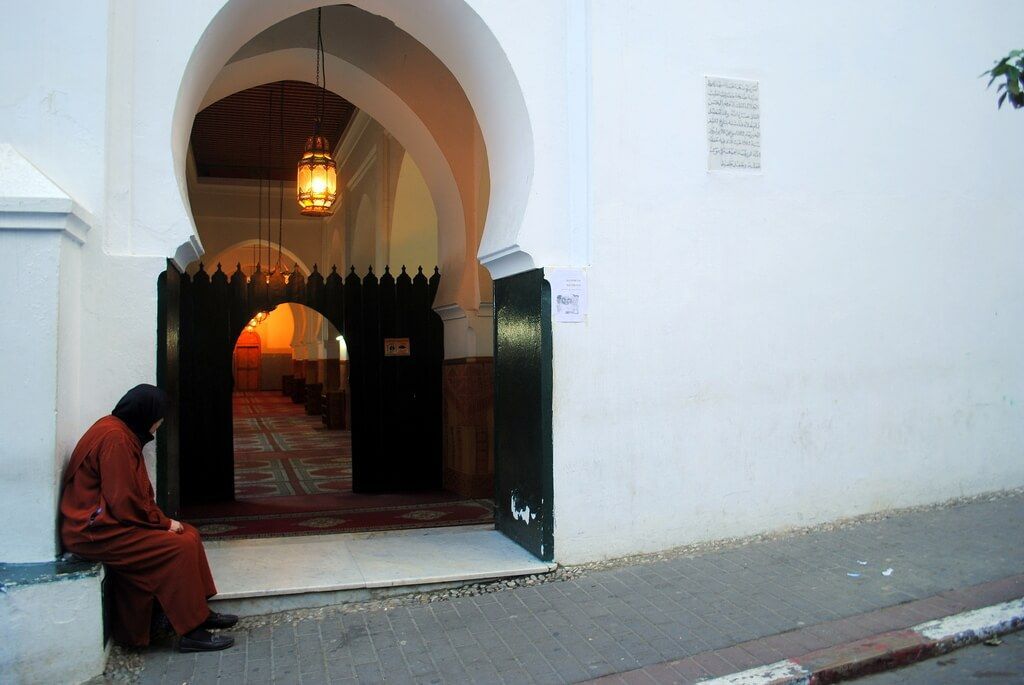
616	620
1000	665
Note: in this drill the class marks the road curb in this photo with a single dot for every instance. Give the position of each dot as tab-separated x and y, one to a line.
886	650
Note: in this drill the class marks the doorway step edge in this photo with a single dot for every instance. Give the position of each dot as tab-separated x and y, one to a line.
268	575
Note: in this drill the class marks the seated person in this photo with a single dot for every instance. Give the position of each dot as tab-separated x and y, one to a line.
108	515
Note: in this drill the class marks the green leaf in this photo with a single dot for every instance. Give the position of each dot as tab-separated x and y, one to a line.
995	73
998	69
1012	88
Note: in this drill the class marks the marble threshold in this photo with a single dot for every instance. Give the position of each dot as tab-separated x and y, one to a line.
263	575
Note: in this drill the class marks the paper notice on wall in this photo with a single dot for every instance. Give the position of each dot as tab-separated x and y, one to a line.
568	294
734	124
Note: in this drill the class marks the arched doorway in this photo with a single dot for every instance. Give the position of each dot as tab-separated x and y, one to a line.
294	467
247	362
523	464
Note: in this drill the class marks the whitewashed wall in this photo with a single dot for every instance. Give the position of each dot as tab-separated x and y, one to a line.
835	335
838	334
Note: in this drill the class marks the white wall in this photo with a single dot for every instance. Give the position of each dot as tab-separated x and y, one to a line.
53	631
29	330
837	334
834	335
53	100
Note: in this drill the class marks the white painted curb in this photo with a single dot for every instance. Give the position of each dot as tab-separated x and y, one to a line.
941	635
976	625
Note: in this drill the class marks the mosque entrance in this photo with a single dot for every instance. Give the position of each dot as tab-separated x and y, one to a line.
313	436
418	180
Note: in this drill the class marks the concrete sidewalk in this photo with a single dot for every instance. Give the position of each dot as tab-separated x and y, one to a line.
616	620
846	648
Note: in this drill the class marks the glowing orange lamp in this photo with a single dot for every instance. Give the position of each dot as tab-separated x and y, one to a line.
317	184
318	178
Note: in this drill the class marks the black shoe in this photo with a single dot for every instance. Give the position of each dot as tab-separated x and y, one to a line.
215	620
200	640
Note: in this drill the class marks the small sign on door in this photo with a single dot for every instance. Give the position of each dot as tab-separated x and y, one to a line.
396	347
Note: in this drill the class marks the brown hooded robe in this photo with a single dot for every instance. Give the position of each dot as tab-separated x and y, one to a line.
108	515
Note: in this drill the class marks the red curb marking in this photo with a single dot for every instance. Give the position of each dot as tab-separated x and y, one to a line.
876	653
901	646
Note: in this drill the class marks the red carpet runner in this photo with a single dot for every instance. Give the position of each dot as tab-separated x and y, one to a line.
294	477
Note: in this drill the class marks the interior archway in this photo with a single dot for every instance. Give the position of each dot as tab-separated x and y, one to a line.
241	252
456	230
293	464
449	29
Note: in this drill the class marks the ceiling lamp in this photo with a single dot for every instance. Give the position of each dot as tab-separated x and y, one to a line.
317	186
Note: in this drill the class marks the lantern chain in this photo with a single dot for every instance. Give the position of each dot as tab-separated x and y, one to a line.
280	186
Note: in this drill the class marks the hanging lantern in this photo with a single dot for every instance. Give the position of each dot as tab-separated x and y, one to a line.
318	178
317	183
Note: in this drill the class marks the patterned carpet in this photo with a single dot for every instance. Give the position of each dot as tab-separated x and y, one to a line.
293	476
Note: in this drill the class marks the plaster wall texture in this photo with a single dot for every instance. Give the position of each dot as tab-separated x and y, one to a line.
53	104
28	422
44	228
69	367
837	334
413	239
118	334
53	632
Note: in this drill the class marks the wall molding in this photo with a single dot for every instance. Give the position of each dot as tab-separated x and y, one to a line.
507	262
351	136
363	169
30	201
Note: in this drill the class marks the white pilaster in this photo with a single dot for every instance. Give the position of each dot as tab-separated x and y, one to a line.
468	333
41	231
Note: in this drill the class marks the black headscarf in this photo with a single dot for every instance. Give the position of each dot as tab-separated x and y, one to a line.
140	408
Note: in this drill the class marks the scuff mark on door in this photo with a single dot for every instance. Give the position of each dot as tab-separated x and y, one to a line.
524	514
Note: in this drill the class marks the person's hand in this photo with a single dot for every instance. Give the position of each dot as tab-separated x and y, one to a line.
176	527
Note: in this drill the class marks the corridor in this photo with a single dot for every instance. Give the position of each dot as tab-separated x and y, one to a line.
293	476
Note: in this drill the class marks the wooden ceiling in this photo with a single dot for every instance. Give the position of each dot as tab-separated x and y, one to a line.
240	135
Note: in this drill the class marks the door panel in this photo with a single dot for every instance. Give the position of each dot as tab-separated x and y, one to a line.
248	361
168	377
522	412
247	368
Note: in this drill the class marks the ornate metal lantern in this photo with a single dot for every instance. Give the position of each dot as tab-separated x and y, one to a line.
317	183
318	177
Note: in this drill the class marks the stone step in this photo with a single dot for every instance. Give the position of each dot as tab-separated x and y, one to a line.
266	575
